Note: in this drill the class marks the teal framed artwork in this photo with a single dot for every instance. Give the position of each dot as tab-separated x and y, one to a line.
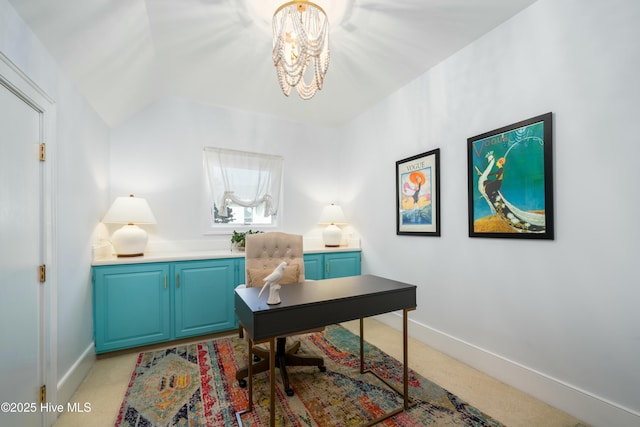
510	179
418	194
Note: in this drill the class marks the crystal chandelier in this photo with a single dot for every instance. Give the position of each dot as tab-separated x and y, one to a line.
300	40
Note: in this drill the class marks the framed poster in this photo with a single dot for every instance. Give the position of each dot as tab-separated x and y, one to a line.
510	178
418	194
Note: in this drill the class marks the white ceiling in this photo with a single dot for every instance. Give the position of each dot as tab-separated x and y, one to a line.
125	54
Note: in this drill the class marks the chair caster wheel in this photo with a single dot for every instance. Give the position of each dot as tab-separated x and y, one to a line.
289	392
242	383
322	368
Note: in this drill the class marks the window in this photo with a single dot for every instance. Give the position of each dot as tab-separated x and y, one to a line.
243	187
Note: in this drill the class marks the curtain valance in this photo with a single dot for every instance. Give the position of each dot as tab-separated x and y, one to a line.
244	178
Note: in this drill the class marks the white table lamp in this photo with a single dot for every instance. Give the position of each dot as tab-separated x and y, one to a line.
332	215
130	240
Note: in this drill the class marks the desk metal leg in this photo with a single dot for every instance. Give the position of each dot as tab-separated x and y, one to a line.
272	381
239	414
272	384
407	403
362	346
250	368
405	358
272	376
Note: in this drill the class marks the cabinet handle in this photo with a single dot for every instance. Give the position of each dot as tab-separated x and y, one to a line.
165	281
327	267
177	280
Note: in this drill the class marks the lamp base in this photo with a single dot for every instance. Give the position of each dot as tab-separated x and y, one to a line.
332	235
129	241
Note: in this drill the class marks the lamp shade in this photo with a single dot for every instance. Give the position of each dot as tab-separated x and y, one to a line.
130	240
332	215
129	210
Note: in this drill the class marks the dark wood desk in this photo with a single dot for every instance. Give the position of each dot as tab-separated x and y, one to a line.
314	304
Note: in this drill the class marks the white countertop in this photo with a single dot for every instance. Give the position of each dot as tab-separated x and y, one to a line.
195	255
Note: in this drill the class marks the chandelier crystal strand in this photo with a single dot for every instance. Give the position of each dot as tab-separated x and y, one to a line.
300	39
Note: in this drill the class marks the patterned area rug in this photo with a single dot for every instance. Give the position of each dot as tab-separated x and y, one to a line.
195	385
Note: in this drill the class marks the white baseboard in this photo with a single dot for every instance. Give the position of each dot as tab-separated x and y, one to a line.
572	400
69	383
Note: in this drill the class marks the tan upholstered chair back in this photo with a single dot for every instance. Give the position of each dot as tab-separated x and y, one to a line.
267	250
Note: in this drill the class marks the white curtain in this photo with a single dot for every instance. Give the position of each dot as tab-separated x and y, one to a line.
246	179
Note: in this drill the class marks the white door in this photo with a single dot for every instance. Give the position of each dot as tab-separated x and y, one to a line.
21	252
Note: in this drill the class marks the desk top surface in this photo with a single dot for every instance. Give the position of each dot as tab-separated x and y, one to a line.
322	292
314	304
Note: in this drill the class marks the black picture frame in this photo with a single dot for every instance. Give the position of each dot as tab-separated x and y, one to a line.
510	181
418	194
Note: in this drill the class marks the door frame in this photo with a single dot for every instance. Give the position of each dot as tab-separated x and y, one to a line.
23	87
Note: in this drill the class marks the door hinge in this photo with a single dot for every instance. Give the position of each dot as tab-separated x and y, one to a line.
42	273
43	394
43	152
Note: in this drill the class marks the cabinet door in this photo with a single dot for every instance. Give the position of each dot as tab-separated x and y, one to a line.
204	297
313	267
341	264
241	274
131	305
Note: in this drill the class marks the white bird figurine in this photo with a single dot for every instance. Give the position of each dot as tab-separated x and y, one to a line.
272	281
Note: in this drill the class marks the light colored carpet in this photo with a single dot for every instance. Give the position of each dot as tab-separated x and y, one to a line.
107	382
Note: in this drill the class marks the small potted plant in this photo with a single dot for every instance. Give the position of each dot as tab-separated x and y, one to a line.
238	238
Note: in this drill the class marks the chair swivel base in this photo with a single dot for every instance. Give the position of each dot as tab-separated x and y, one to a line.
284	357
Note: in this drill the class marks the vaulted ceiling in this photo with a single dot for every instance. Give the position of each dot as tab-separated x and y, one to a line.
125	54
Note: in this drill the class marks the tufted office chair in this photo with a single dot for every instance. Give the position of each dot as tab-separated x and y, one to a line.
263	253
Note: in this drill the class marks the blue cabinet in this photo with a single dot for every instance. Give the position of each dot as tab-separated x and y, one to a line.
131	305
331	265
314	266
341	264
240	272
318	266
148	303
203	295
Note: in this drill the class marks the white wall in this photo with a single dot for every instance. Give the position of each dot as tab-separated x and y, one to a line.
80	164
565	311
158	154
557	319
